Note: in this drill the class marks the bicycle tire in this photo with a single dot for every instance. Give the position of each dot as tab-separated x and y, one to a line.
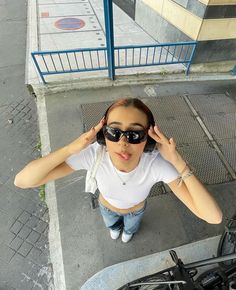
227	243
157	278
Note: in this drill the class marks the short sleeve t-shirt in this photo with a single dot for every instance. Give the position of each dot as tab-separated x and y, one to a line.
151	169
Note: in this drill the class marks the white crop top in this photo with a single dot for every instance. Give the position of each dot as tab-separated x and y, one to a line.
152	168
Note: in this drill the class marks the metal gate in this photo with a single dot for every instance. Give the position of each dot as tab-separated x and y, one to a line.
112	57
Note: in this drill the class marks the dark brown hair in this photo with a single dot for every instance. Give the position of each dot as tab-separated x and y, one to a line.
135	103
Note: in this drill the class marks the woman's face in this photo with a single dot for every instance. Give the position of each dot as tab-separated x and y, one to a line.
125	156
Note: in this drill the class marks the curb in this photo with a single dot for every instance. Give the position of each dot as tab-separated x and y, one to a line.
32	43
56	255
125	80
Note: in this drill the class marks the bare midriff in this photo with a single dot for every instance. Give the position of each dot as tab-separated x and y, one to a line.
121	210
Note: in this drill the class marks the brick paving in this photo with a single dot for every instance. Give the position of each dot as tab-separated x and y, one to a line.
24	249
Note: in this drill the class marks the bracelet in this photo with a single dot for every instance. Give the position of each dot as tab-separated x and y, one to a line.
182	178
190	173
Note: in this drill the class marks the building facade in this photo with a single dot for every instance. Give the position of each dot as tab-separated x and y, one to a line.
210	22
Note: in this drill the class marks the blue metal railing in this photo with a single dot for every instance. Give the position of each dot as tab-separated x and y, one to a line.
69	61
109	32
155	54
93	59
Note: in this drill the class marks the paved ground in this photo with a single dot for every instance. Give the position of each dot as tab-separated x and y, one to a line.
80	245
85	243
24	251
74	24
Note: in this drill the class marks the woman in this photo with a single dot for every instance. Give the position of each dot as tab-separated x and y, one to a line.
127	171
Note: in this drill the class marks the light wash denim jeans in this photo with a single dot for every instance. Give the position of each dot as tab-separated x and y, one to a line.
130	222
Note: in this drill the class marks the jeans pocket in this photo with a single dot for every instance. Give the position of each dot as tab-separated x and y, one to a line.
103	208
140	211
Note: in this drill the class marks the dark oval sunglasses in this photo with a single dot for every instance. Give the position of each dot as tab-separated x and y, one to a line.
132	136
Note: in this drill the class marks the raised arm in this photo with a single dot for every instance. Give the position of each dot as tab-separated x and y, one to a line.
53	166
190	191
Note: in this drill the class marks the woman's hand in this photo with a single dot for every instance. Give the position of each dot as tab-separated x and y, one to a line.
167	147
53	165
85	139
191	192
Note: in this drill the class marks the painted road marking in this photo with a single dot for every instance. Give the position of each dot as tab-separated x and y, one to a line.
69	23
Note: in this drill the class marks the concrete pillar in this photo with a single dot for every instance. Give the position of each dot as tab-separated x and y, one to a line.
211	22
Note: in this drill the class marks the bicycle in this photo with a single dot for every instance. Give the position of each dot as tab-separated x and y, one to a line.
182	276
227	243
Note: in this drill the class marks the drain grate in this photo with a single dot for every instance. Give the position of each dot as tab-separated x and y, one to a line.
157	189
92	113
227	147
214	103
167	106
205	161
184	129
221	125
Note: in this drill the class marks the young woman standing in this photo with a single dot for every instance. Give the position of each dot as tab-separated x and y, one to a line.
137	155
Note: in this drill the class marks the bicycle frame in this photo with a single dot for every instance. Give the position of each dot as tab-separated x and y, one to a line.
179	275
210	261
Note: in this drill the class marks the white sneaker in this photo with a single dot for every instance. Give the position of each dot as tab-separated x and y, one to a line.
126	237
114	234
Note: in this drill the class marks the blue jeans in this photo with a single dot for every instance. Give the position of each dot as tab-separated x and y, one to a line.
116	221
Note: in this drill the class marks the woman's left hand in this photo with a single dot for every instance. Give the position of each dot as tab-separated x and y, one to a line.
191	192
167	147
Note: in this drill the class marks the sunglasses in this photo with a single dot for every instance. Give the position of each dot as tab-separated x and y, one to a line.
132	136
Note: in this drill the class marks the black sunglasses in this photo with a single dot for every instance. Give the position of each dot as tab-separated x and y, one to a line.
132	136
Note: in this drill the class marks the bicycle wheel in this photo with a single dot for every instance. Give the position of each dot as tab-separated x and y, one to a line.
149	283
227	243
231	283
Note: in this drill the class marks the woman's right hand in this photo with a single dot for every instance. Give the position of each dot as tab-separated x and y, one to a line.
53	165
85	139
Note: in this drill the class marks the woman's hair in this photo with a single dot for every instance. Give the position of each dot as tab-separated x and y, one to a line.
135	103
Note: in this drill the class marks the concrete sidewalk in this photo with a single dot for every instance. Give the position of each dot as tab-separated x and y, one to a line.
61	25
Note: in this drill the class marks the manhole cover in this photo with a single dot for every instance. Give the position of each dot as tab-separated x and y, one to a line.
69	23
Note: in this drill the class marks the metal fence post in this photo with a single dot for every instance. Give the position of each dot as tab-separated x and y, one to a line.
108	16
38	68
191	58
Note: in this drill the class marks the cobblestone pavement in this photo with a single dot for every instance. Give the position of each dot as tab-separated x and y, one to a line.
24	251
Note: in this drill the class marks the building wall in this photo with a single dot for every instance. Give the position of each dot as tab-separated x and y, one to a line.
211	22
128	6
